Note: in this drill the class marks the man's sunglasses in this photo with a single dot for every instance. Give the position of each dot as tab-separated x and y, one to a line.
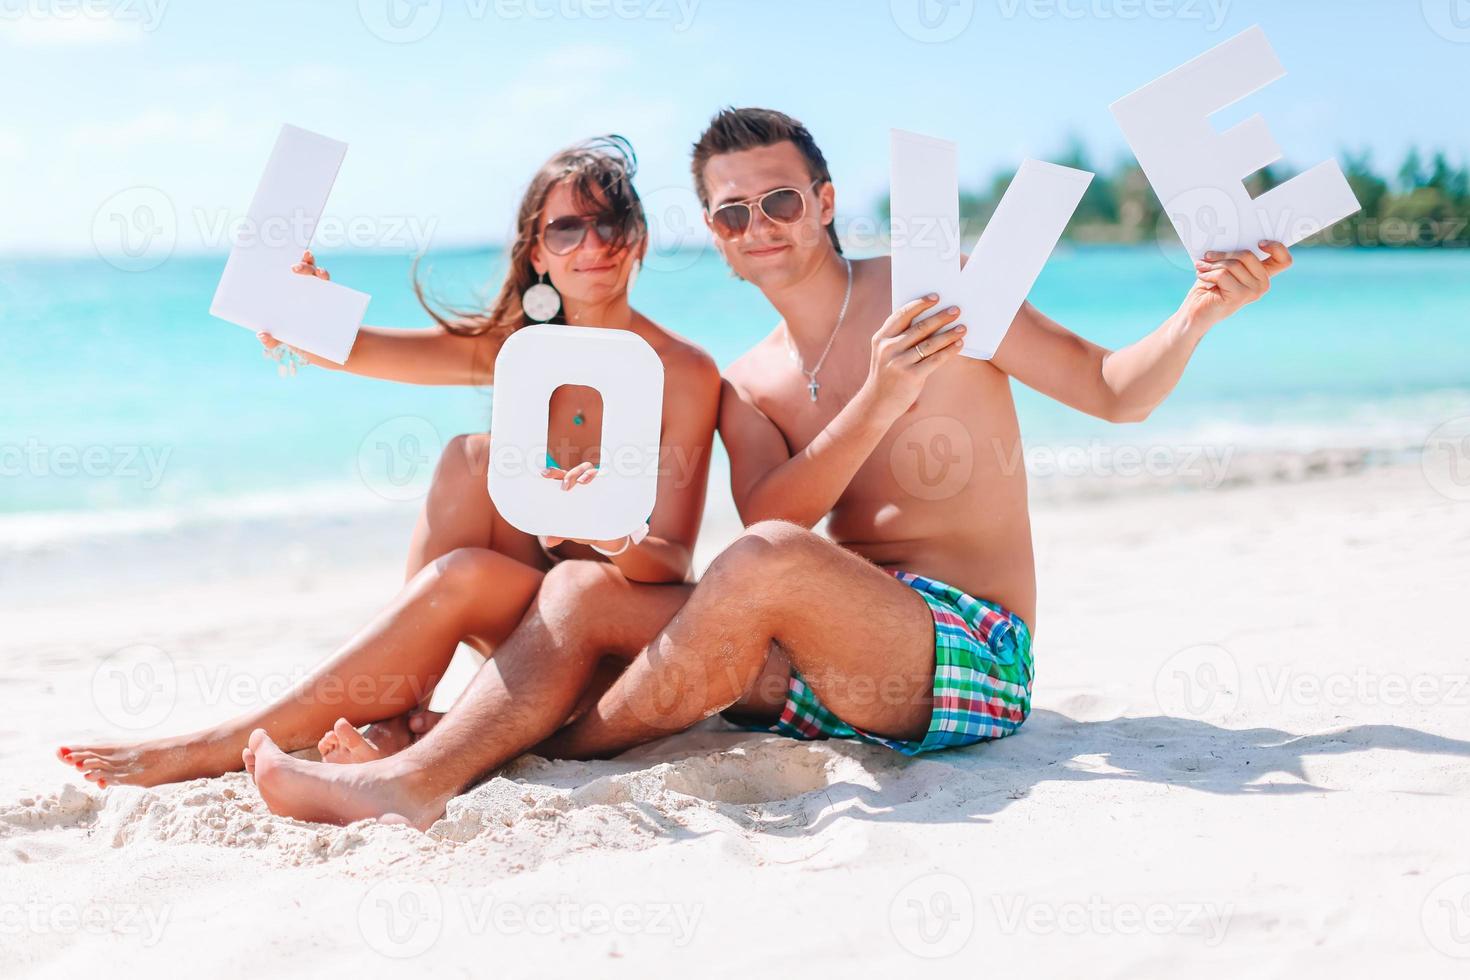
784	206
565	235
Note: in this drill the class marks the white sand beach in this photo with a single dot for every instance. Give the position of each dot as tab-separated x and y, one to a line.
1249	756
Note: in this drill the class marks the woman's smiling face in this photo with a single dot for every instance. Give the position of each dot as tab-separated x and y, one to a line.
594	271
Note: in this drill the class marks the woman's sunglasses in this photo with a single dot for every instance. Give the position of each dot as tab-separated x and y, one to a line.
784	206
565	235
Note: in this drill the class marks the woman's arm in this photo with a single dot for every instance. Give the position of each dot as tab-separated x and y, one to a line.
432	356
691	408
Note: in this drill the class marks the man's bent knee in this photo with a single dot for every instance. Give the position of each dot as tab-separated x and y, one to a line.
569	580
571	586
766	551
783	534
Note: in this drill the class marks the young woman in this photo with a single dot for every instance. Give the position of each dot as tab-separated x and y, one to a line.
581	232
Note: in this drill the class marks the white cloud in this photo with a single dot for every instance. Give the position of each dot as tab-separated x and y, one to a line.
12	145
316	77
32	30
203	75
152	127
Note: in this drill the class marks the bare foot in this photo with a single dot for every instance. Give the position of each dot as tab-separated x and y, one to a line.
337	794
345	744
167	760
420	720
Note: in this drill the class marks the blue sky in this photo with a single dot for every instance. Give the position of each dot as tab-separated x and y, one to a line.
186	96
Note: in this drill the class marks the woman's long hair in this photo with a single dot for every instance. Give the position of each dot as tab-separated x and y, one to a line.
600	172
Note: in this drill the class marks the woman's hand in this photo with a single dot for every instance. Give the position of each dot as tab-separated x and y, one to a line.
306	267
1228	281
907	350
579	475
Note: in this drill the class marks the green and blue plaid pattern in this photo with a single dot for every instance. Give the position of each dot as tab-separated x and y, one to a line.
982	678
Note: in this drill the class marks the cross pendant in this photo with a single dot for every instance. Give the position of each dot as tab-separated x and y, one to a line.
813	387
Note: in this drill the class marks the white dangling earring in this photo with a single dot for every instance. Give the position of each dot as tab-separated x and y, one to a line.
541	301
633	276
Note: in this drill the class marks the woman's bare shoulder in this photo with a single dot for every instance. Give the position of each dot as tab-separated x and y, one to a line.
680	354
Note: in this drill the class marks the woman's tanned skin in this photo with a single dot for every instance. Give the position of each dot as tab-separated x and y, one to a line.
390	667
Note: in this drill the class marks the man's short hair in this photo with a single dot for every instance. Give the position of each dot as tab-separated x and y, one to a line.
732	130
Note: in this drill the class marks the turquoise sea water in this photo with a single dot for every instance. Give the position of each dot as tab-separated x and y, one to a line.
124	400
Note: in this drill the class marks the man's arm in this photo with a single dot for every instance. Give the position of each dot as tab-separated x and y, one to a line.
768	483
1128	384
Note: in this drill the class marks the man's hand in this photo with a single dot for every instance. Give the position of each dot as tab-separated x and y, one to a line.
907	350
1228	281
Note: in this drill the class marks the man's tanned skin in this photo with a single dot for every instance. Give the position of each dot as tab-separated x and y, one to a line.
912	450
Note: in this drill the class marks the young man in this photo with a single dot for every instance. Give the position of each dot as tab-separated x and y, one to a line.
911	626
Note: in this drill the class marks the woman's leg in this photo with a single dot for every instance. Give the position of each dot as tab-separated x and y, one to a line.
382	672
537	679
458	513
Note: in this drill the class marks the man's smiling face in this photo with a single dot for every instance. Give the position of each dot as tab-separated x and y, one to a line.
768	253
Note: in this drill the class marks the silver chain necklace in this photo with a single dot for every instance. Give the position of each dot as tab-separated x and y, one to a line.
811	376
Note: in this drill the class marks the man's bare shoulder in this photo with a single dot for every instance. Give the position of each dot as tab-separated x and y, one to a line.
749	369
872	282
878	265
